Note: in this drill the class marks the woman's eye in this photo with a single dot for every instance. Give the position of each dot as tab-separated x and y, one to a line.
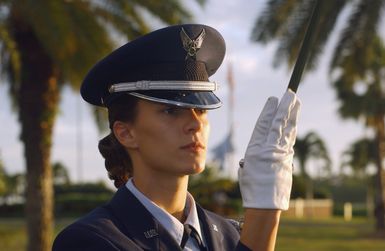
201	111
170	110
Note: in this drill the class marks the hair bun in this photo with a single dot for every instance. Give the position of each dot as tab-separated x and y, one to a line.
117	161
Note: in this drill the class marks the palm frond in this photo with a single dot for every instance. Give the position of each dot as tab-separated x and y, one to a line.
9	62
311	146
170	12
360	155
327	23
292	39
123	16
366	74
359	31
70	34
287	21
76	34
273	20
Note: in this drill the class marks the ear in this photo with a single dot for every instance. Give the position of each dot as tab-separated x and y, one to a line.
124	133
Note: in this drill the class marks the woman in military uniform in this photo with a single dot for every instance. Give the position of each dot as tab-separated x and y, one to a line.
157	92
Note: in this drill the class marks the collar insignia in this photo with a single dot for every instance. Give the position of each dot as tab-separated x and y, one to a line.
150	233
191	46
215	228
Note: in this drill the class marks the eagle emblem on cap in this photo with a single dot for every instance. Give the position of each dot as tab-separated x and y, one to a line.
192	46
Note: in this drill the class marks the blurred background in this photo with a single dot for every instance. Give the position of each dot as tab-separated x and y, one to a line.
339	184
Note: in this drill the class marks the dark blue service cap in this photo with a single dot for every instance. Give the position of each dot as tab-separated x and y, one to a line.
171	65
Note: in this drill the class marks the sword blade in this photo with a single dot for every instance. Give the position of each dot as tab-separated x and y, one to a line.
305	48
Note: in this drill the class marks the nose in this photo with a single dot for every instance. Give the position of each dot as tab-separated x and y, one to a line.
195	121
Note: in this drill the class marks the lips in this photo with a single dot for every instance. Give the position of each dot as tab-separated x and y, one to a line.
194	147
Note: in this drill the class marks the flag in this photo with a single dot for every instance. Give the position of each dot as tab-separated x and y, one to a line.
223	150
223	153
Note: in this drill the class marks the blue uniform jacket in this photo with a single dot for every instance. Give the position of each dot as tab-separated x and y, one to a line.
125	224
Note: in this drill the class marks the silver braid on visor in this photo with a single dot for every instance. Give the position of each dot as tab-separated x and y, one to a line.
147	85
177	103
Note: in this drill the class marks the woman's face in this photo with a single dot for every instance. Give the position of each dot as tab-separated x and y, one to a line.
169	139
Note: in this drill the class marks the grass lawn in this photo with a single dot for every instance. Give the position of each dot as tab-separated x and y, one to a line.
294	234
328	235
13	233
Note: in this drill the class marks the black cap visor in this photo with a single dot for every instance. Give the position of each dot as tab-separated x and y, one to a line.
187	99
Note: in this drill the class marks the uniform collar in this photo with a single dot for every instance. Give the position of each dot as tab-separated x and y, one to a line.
169	222
141	227
138	224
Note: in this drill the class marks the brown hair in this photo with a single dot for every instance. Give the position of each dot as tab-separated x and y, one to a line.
117	160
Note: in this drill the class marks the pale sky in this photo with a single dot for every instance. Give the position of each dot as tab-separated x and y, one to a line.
255	81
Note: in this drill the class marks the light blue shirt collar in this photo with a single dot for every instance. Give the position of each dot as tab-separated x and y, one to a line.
169	222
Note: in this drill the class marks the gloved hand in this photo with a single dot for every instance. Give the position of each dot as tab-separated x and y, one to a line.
266	176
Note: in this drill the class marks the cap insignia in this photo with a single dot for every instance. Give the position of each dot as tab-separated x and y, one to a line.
191	46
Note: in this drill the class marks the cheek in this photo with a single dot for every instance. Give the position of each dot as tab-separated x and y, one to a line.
157	139
206	131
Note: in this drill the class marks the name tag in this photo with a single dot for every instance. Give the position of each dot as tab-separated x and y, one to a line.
150	233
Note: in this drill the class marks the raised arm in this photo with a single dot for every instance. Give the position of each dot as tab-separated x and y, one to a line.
265	177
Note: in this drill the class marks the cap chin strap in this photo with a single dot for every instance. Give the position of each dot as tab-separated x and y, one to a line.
146	85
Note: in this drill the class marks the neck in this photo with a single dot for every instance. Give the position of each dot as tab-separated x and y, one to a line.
169	193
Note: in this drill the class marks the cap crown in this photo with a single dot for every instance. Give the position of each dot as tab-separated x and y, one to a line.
189	52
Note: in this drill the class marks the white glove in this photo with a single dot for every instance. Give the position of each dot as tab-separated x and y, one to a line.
266	176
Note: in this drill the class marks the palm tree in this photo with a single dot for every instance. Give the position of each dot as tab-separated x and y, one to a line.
360	155
45	45
60	174
358	49
3	179
358	158
366	105
311	146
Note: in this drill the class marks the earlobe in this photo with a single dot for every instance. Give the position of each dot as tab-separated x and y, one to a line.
124	134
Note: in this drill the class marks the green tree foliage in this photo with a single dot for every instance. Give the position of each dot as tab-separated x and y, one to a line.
3	179
356	63
361	154
74	200
60	174
219	194
360	87
286	21
11	185
311	146
11	191
45	45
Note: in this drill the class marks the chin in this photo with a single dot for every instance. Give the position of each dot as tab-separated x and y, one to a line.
194	168
198	168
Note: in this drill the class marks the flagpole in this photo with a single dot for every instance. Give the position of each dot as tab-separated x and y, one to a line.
230	152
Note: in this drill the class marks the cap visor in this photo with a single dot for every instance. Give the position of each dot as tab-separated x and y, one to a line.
188	99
